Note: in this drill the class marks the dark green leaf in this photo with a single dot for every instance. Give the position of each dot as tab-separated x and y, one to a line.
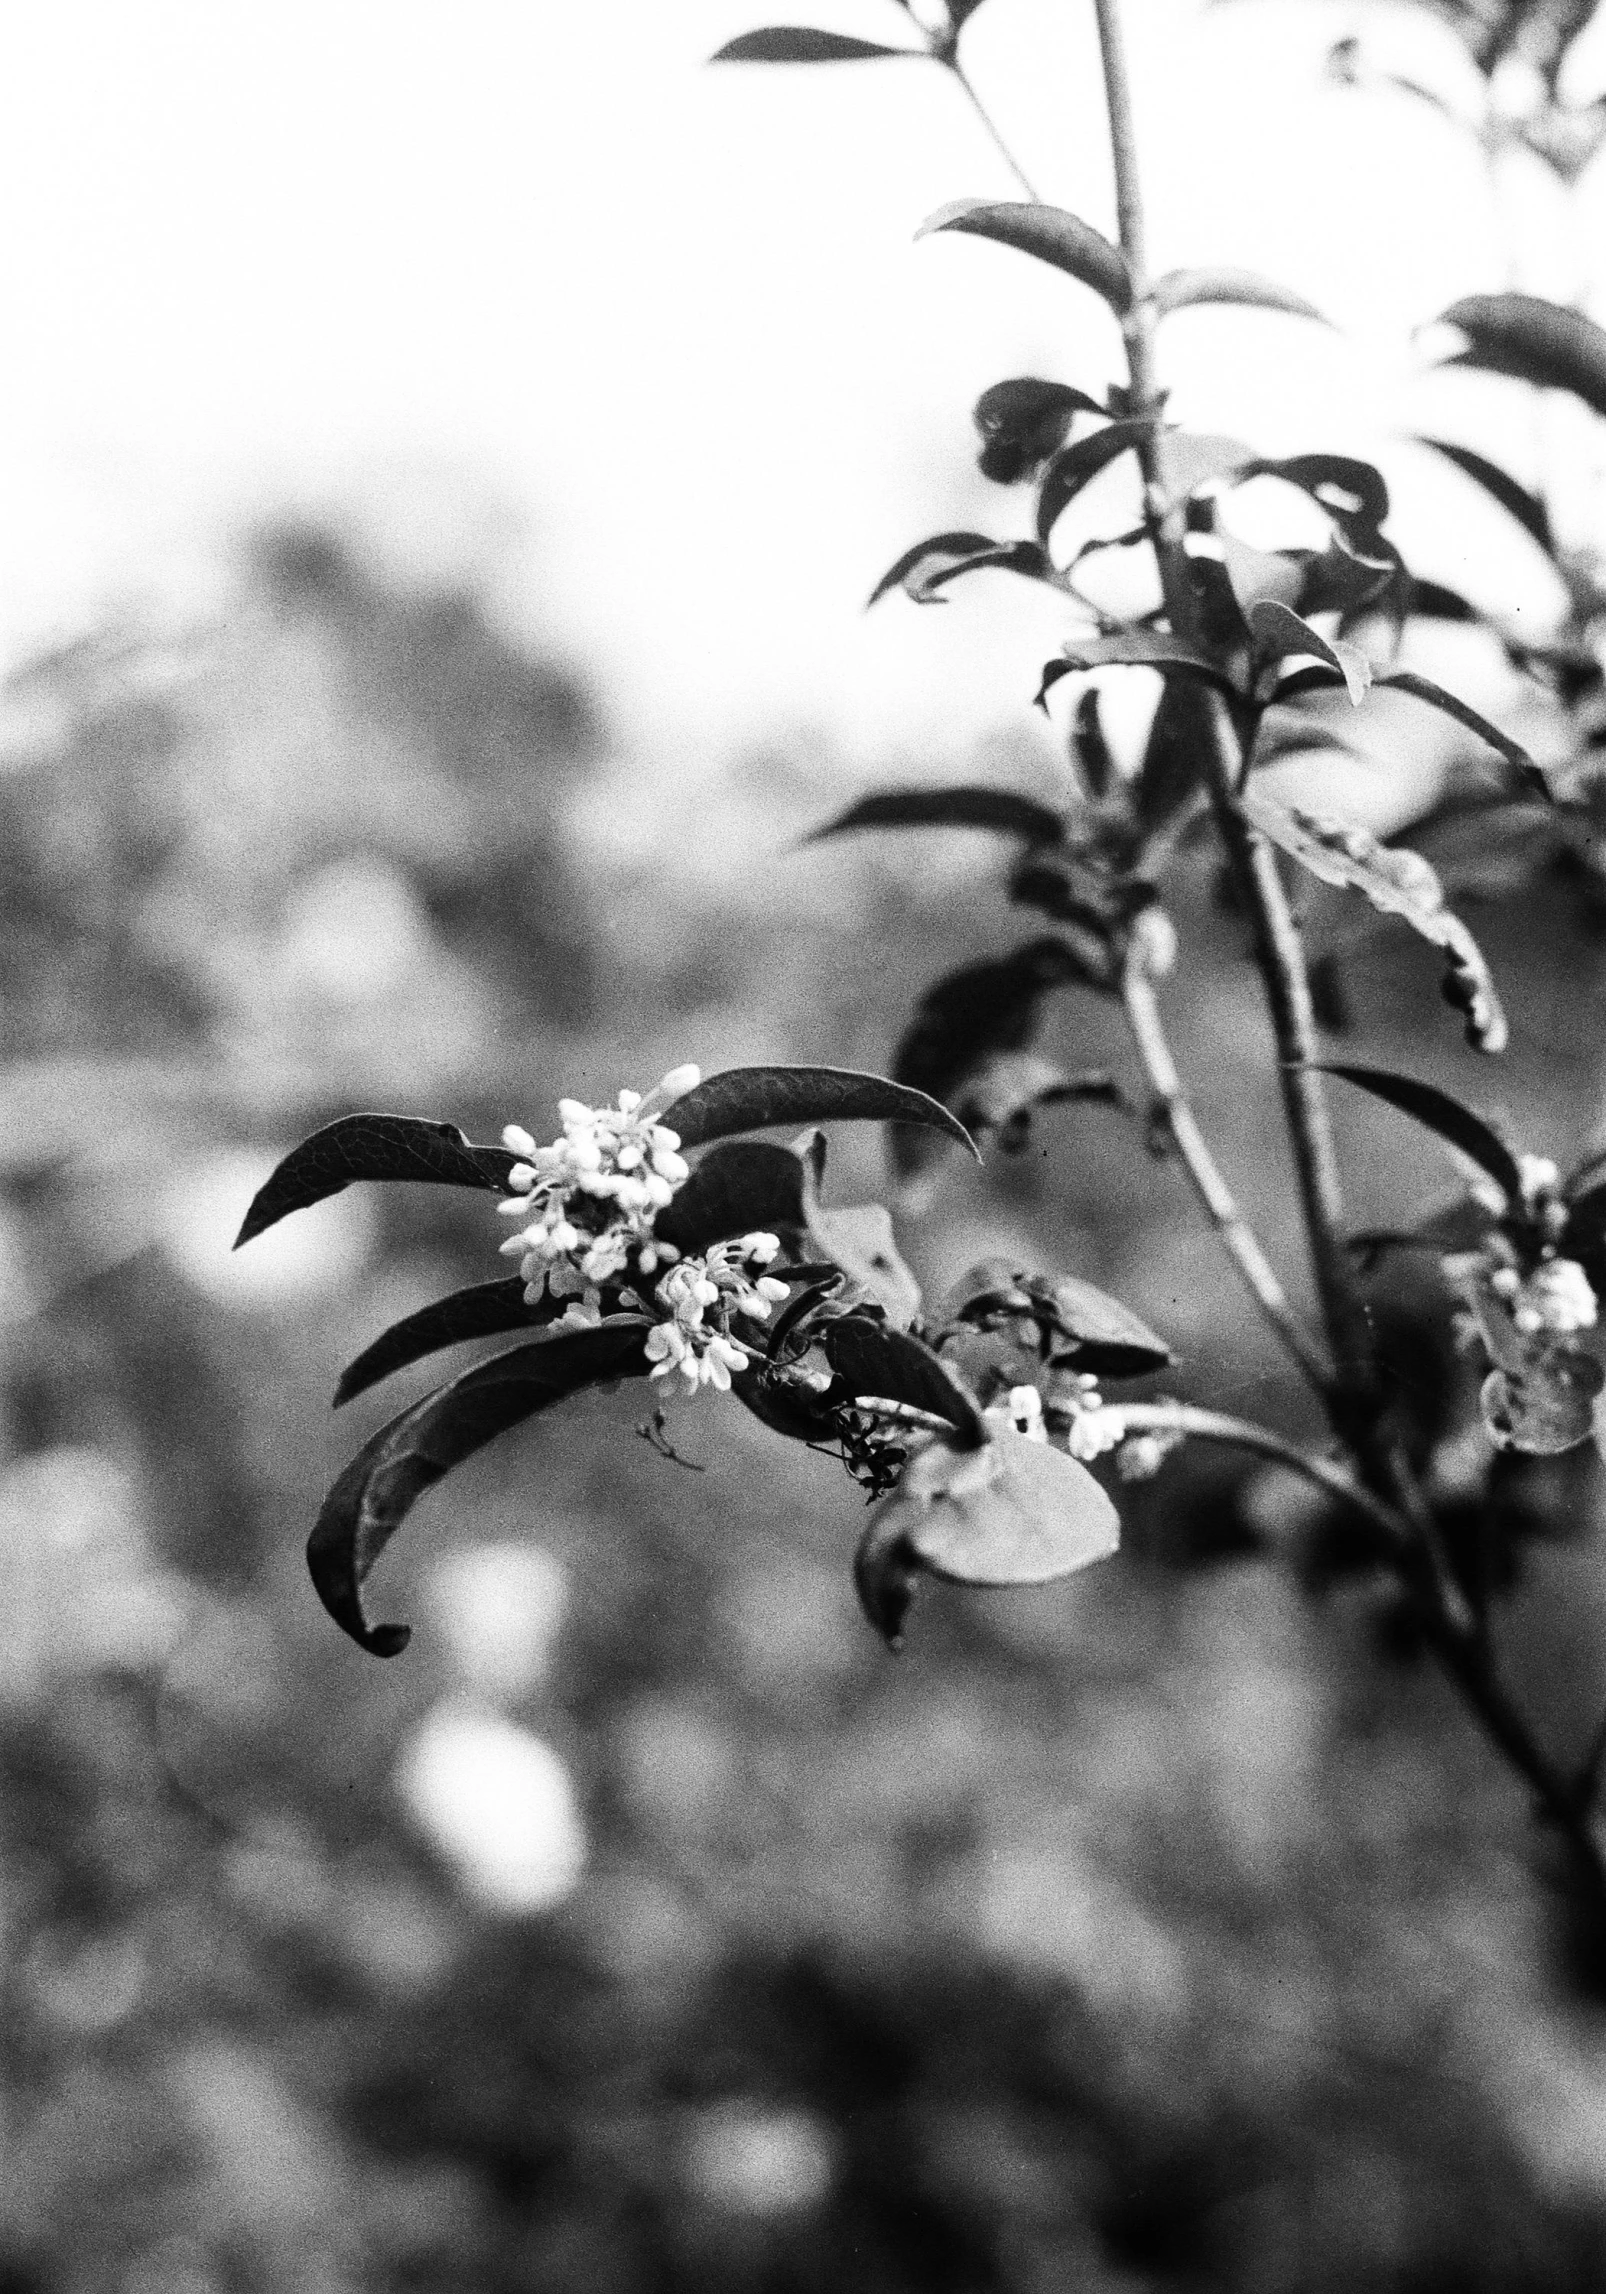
940	550
1089	747
1354	494
1004	811
1396	883
894	1365
756	1098
743	1187
1425	689
1023	421
1133	649
1049	233
1528	510
1069	472
486	1311
1431	601
372	1147
1028	559
1443	1115
1224	284
379	1488
971	1018
1535	341
799	44
1000	1098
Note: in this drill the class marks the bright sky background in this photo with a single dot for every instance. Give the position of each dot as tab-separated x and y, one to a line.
533	294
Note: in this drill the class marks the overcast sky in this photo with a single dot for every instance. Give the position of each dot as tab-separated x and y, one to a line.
533	294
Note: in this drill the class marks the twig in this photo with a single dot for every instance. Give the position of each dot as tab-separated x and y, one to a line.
1244	1434
1237	1236
991	125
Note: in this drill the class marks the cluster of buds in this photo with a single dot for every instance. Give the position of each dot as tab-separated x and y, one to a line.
699	1297
588	1201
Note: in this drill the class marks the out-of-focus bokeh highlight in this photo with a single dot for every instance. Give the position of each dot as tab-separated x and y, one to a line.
646	1926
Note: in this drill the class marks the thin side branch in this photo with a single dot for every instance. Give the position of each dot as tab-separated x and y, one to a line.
991	125
1244	1434
1238	1237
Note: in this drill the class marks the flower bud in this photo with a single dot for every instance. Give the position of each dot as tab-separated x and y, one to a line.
517	1140
680	1079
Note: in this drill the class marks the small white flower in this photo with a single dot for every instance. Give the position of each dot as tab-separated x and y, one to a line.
1021	1411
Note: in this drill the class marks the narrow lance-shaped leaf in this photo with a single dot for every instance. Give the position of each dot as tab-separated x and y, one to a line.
1425	689
1069	472
942	549
755	1098
380	1487
1396	883
1050	233
925	571
1280	634
1179	290
1456	1124
1535	341
1528	510
488	1310
372	1147
1004	811
800	44
742	1187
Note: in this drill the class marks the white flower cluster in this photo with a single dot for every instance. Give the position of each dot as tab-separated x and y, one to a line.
588	1201
1556	1300
700	1295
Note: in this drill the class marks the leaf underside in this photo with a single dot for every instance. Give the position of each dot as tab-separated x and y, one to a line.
1223	283
373	1497
1050	233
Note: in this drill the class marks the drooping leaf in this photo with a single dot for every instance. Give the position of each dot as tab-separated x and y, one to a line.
372	1147
1024	421
1004	811
893	1365
487	1311
1177	290
1049	233
1456	1124
1014	1513
1397	883
1528	510
1171	777
922	571
758	1098
1089	747
1425	689
972	1017
1432	601
1280	635
800	44
1079	465
1133	649
1535	341
379	1488
741	1187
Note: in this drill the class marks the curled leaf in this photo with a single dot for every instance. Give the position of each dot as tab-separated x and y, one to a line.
380	1487
756	1098
1178	290
1023	421
1004	811
1049	233
372	1147
1133	649
1281	635
922	572
1397	883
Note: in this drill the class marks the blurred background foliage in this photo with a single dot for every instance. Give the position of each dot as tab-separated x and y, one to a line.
646	1926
